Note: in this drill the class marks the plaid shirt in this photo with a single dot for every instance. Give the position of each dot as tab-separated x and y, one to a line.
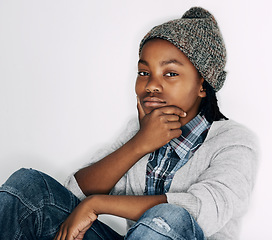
165	161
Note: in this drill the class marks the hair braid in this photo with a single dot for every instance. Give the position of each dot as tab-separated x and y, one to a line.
208	106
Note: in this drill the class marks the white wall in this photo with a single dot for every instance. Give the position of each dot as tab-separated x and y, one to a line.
67	71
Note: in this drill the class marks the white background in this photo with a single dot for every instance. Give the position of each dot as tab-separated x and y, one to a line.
67	72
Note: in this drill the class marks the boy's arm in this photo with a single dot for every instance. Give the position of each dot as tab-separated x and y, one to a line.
157	129
81	219
101	176
129	207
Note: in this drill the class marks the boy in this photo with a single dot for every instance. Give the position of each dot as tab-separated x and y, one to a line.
185	173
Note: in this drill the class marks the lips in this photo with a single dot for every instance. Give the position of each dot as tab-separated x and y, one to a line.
153	102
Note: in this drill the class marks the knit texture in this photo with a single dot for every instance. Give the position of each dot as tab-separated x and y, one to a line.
198	36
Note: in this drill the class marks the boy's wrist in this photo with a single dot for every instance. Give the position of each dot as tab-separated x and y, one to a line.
139	147
95	203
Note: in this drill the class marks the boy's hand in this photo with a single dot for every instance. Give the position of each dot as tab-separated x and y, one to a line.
158	127
78	222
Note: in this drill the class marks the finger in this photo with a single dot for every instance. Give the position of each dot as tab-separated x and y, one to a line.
63	234
171	118
81	234
58	235
173	110
141	112
175	133
70	236
174	125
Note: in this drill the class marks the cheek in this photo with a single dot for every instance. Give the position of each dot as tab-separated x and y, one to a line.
183	97
139	87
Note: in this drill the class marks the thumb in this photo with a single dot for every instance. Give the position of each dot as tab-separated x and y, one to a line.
141	112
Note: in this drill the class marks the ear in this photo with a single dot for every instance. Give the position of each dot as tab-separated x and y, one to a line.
202	91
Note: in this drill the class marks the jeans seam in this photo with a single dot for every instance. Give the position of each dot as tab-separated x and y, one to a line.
37	212
13	192
51	197
193	226
28	204
30	209
18	235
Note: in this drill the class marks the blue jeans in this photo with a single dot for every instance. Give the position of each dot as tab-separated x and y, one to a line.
33	206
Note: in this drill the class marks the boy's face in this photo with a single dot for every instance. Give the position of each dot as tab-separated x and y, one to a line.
166	77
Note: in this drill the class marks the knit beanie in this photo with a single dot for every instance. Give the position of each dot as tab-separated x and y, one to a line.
198	36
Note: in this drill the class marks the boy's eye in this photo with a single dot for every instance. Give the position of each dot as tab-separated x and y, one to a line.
141	73
171	74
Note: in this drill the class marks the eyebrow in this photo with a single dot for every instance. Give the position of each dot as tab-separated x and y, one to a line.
143	62
170	62
162	63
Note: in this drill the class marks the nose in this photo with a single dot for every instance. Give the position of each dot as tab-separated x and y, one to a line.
153	85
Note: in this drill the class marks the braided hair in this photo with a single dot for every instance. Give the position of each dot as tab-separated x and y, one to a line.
208	106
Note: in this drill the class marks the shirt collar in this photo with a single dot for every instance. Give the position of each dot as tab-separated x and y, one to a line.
193	135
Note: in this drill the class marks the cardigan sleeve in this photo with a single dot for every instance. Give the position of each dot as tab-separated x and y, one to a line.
130	130
223	190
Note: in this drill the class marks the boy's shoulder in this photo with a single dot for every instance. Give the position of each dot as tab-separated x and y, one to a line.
233	133
130	129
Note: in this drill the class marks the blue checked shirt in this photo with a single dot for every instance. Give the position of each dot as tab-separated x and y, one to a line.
167	160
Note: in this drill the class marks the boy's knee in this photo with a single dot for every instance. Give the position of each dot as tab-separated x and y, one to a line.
170	221
37	188
167	211
32	181
27	185
25	182
22	177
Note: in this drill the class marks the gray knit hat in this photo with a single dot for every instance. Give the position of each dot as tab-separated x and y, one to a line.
197	35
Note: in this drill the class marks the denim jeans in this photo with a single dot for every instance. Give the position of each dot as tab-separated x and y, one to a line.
33	206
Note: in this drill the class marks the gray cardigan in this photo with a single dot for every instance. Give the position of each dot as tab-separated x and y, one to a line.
214	185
